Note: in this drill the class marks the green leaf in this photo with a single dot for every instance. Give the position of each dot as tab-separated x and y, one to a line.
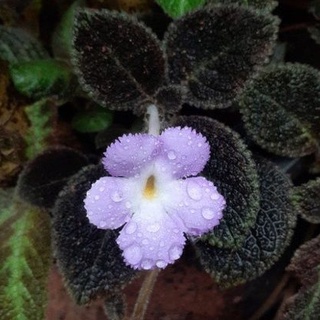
93	120
17	45
63	34
215	50
89	258
258	4
25	260
233	172
41	78
177	8
307	197
266	240
280	108
41	116
305	265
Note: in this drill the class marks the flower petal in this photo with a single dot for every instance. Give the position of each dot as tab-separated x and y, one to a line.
131	153
198	204
185	151
151	239
107	202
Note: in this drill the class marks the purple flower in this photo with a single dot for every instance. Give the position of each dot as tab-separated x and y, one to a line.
149	194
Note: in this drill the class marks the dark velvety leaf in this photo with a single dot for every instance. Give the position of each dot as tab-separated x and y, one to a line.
170	98
305	265
177	8
25	255
281	109
232	170
307	197
41	78
258	4
118	60
89	258
115	306
264	243
213	51
45	176
17	45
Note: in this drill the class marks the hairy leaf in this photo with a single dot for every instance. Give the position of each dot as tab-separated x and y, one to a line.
41	78
315	33
233	172
63	34
41	115
305	265
258	4
17	45
115	306
307	197
89	258
45	176
177	8
94	119
264	243
118	60
213	51
170	98
281	109
25	260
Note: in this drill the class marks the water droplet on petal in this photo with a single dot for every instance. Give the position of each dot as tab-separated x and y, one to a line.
133	254
96	197
207	213
189	143
215	196
102	224
171	155
153	227
101	189
116	196
131	227
175	252
162	244
161	264
128	204
176	230
194	190
145	241
146	264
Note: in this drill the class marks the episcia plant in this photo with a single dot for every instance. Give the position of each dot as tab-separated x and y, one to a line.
224	192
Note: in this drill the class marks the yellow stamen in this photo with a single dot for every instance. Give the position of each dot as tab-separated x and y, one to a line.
149	191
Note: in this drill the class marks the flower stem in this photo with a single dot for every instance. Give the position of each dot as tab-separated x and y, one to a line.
142	302
154	122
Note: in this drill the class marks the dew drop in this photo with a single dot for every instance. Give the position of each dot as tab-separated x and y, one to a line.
154	227
101	189
189	143
171	155
162	244
175	253
215	196
102	224
194	191
207	213
133	254
146	264
116	196
145	242
139	234
176	230
131	227
128	204
96	197
161	264
199	144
